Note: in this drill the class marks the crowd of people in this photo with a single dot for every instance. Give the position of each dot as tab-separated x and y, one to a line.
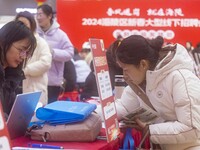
36	54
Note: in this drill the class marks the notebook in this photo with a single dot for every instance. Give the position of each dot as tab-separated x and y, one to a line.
21	113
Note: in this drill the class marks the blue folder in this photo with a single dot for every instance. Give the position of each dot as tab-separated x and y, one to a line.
62	112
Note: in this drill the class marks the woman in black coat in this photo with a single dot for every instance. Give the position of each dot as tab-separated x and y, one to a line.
90	87
17	44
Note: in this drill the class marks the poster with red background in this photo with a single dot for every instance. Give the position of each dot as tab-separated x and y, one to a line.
177	21
104	89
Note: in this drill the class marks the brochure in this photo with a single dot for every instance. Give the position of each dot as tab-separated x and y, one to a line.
144	113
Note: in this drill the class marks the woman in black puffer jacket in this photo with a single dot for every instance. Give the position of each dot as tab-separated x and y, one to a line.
17	44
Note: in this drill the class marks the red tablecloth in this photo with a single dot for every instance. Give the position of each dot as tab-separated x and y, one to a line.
96	145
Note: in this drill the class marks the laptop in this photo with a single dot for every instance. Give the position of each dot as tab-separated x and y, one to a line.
21	113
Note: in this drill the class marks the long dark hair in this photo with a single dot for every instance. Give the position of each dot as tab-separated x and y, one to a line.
12	32
134	48
30	18
47	10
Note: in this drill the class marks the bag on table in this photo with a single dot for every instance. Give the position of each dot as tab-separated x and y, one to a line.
62	112
83	131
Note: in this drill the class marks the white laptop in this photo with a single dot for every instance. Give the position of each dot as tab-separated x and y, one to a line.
21	113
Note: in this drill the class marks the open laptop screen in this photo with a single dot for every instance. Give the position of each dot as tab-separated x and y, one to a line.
21	113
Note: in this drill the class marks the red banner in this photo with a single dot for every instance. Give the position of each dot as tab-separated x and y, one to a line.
177	21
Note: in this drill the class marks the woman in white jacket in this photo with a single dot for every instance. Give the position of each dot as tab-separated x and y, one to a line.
38	66
166	76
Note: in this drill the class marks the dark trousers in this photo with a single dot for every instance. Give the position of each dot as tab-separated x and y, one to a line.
53	93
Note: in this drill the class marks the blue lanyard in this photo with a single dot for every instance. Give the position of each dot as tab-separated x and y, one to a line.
128	143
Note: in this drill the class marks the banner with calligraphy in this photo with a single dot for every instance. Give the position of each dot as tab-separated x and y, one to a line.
104	89
178	21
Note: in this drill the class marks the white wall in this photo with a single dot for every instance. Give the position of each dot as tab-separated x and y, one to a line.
5	19
8	7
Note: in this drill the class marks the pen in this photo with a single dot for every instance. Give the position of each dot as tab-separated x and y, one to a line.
101	137
46	146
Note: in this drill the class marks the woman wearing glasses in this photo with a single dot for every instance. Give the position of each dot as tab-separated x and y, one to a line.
39	64
16	43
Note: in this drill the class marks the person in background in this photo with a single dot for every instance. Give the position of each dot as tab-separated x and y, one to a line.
188	46
190	49
69	87
17	44
196	55
69	77
165	75
60	46
113	67
38	66
82	70
86	53
90	87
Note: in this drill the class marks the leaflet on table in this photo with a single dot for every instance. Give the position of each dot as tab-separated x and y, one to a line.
144	113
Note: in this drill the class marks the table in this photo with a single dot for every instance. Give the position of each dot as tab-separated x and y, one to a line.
96	145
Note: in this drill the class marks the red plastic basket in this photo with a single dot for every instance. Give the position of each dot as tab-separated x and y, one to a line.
70	96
